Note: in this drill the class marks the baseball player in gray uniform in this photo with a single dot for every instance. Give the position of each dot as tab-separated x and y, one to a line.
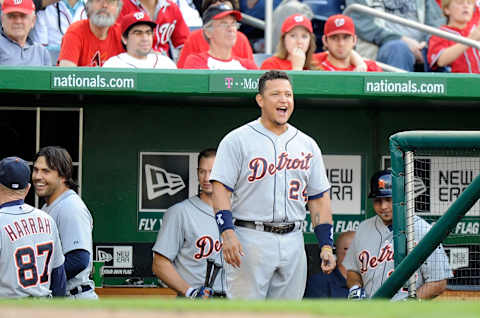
265	173
31	258
369	260
52	179
188	237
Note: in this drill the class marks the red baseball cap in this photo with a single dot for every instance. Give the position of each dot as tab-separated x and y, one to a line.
296	20
132	19
339	23
23	6
218	12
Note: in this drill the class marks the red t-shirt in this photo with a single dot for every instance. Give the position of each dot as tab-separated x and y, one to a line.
169	20
196	43
205	61
82	47
468	62
275	63
325	64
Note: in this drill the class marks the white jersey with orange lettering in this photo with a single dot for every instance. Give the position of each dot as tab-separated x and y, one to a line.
271	178
30	248
188	237
371	255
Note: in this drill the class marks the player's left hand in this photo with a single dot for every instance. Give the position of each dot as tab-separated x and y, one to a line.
328	260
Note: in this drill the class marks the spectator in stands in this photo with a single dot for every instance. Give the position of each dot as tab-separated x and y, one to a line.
220	30
91	42
339	39
196	42
137	38
53	22
171	26
284	10
16	48
297	46
443	52
333	285
393	43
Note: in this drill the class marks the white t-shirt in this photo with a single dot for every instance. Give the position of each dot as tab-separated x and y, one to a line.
153	60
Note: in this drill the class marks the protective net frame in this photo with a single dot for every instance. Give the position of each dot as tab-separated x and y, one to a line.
430	171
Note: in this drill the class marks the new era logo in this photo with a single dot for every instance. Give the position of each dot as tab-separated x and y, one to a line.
339	22
104	256
419	186
160	182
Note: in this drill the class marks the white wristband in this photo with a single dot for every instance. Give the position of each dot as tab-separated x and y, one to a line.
353	288
189	291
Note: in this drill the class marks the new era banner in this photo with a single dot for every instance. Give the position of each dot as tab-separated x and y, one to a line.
165	179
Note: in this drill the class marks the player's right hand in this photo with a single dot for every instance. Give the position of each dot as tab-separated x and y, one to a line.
200	292
356	293
232	249
297	57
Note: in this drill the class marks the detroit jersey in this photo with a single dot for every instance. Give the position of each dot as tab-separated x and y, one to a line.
30	249
371	255
188	237
271	176
75	225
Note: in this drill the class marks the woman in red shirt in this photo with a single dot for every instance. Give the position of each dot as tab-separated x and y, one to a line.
296	47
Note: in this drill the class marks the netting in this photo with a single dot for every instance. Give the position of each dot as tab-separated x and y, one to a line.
439	179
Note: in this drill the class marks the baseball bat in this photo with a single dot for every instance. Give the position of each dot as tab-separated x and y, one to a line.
210	263
216	269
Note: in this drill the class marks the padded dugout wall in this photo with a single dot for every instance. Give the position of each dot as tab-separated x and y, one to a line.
186	111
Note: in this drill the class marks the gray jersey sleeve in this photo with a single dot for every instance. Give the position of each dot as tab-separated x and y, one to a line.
349	260
170	237
228	161
58	258
436	267
75	227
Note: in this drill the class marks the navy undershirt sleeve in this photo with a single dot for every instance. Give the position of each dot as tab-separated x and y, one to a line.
75	262
58	281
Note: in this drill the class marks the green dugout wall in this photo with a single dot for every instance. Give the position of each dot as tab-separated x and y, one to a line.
127	117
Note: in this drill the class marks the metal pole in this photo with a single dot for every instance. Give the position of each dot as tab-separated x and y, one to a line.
412	24
268	26
252	21
410	200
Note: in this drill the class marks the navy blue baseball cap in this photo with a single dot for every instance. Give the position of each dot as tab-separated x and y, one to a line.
220	11
14	173
381	185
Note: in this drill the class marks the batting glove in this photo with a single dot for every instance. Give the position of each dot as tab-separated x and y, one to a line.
356	293
200	292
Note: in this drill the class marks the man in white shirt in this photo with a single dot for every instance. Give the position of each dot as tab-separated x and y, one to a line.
137	39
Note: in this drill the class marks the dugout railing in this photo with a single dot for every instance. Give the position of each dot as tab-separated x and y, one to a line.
402	146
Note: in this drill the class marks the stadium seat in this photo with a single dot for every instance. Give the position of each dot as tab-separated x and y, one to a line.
322	9
260	57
